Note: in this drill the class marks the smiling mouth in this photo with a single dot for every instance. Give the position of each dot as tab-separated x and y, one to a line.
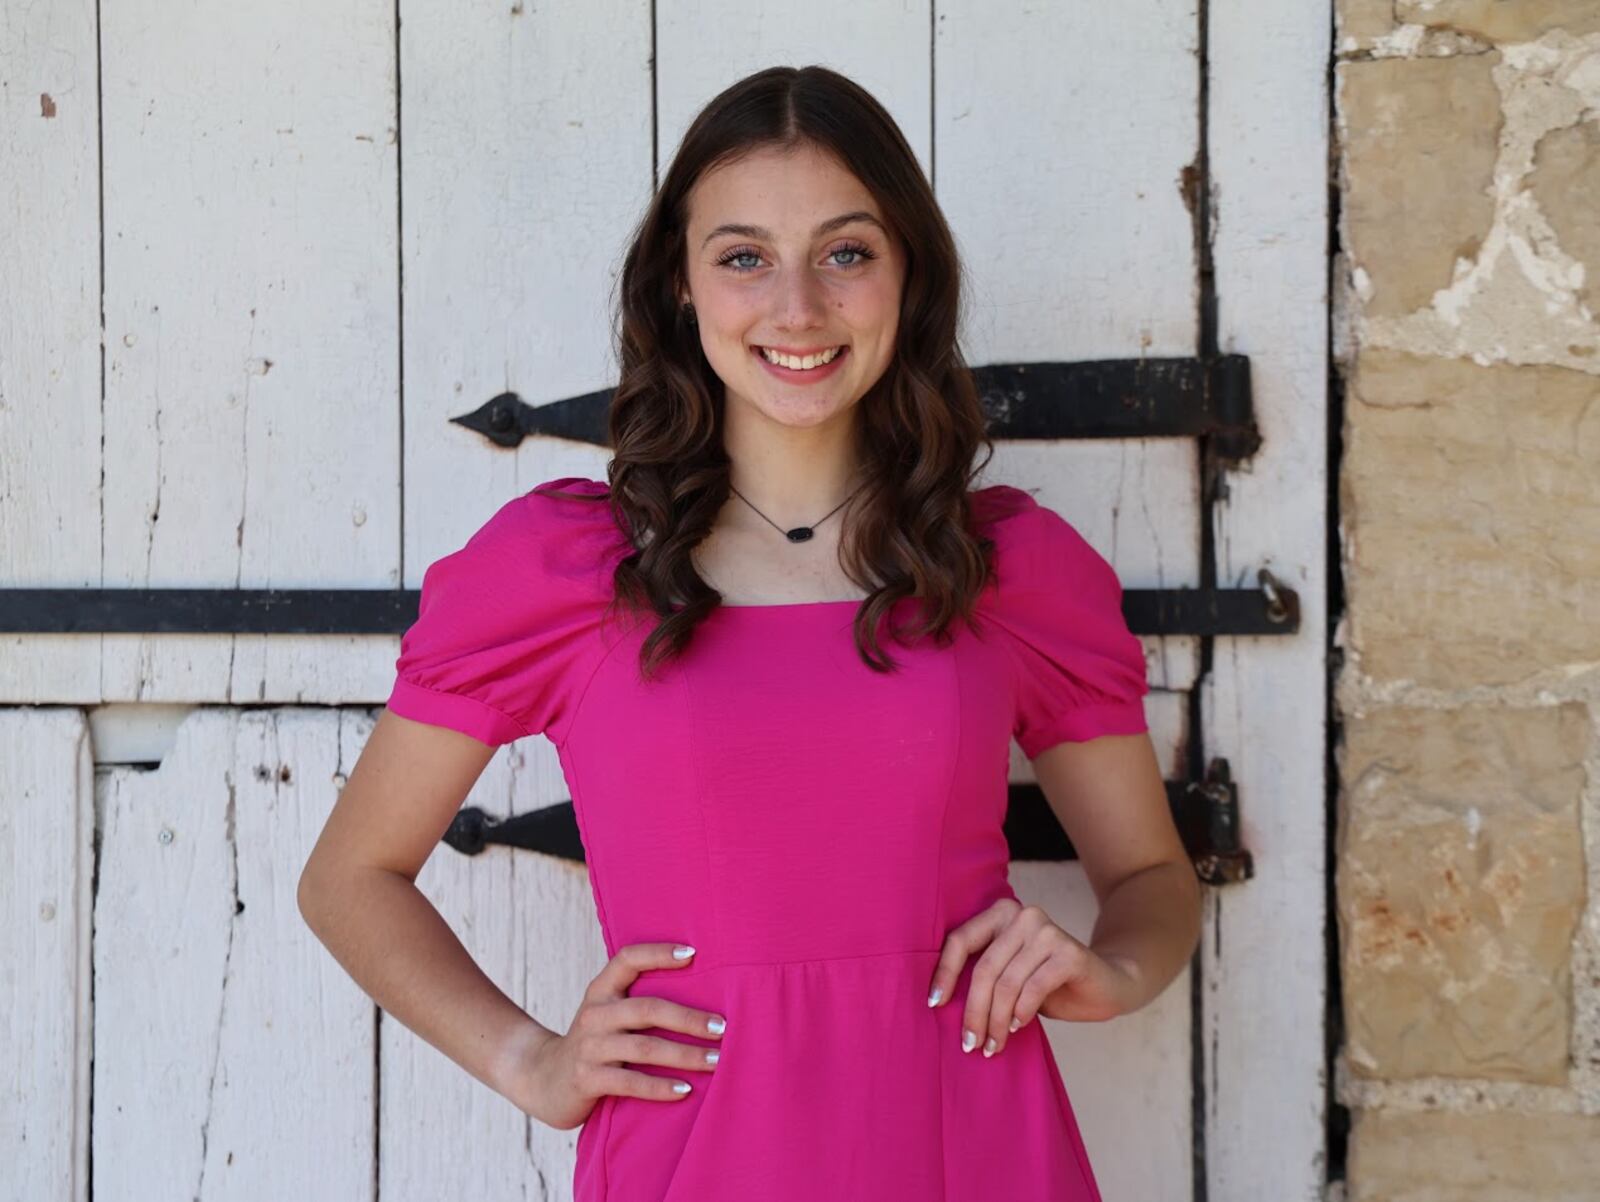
800	362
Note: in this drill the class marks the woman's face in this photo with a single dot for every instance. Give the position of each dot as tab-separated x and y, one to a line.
794	278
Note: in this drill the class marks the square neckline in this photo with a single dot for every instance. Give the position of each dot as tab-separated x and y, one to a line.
793	604
602	487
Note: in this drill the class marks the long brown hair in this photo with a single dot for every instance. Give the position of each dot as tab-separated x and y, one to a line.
908	532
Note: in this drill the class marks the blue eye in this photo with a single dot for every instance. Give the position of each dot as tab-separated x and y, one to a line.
737	253
861	253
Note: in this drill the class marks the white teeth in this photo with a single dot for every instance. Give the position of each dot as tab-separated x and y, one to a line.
803	364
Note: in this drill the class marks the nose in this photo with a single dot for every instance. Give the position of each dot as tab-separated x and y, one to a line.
800	302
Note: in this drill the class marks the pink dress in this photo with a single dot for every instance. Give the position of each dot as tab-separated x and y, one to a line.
812	827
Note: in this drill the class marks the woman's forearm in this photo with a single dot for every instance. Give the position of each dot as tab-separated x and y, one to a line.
397	947
1151	922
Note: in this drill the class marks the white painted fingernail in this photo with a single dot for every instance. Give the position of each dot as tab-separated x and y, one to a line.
988	1048
712	1056
1015	1023
680	1087
968	1041
682	953
716	1026
935	995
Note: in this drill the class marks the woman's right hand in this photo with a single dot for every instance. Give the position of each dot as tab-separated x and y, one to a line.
563	1077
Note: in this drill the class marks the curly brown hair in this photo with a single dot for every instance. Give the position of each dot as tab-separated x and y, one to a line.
909	532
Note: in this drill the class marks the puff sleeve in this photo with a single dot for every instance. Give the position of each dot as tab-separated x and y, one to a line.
502	630
1077	670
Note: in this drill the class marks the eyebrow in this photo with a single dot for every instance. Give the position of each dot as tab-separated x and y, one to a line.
828	226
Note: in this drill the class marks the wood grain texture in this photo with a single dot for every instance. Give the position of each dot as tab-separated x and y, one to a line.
1264	962
47	829
232	1055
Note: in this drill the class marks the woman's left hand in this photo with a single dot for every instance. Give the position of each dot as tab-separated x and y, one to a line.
1029	966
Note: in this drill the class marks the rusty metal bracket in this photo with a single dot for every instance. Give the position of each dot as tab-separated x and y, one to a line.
1208	822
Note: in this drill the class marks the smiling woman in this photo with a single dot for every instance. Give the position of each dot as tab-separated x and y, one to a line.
782	299
781	363
794	839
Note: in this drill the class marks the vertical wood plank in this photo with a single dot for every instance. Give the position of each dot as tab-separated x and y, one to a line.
47	840
705	45
526	159
251	310
224	1033
1265	998
50	411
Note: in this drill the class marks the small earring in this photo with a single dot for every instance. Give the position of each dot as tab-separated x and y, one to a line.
688	312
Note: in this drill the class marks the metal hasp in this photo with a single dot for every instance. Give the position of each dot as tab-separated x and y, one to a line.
1208	822
1206	815
1108	398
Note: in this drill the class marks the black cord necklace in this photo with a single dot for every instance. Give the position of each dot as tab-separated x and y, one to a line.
799	534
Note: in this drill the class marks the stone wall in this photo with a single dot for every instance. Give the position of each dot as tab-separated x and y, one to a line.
1468	839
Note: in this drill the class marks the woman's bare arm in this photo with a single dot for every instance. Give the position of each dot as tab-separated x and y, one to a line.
1110	798
358	895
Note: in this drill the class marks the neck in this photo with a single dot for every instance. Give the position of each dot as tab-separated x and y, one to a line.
794	476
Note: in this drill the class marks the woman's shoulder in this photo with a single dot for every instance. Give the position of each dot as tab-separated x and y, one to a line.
561	529
1014	518
1078	671
575	503
1034	543
999	504
504	620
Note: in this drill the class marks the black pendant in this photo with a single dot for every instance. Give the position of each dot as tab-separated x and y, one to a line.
799	534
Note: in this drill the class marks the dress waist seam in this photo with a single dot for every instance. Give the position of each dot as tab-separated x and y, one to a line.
698	970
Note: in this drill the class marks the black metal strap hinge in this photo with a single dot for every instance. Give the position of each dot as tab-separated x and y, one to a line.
1206	814
1271	609
1108	398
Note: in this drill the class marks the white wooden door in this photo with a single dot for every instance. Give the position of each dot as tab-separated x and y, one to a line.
263	254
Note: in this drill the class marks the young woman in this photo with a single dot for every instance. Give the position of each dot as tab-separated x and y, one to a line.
782	651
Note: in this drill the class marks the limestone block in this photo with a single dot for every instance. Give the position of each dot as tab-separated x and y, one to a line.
1459	884
1565	181
1445	1156
1358	23
1420	138
1500	21
1471	514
